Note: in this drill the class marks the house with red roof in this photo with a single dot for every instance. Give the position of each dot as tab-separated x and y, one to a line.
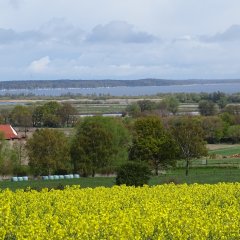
9	133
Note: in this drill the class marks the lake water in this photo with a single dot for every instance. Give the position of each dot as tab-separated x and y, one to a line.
129	91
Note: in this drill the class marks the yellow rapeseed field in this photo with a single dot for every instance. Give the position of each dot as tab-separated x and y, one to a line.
160	212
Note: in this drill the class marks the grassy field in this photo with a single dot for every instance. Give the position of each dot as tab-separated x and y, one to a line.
206	163
220	155
196	175
91	106
188	107
228	150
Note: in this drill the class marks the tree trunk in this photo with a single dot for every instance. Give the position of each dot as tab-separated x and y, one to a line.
25	131
156	170
93	173
187	167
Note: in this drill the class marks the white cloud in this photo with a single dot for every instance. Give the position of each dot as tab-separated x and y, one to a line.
7	36
60	30
231	34
119	31
40	65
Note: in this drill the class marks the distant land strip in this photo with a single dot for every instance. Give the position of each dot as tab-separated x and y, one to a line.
67	83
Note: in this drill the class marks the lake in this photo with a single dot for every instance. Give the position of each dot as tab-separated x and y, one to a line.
129	91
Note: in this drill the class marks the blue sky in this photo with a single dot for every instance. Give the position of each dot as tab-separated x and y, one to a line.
119	39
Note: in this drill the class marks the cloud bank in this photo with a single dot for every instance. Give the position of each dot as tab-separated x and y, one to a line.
119	31
118	50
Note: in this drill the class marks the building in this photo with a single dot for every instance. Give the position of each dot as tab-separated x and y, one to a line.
9	133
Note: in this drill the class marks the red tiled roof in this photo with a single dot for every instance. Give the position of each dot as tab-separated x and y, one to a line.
8	132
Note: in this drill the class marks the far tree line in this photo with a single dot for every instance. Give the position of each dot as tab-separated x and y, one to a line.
51	114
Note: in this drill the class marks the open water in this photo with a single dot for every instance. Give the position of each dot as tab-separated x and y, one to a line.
128	91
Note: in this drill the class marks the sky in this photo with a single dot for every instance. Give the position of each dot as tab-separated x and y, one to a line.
119	39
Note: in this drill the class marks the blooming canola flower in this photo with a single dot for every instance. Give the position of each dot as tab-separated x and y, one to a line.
160	212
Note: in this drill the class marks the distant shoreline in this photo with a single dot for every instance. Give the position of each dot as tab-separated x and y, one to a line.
86	84
121	91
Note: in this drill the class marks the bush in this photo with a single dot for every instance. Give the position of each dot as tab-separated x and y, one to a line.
133	174
21	170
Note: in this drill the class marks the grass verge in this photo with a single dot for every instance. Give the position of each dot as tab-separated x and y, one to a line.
196	175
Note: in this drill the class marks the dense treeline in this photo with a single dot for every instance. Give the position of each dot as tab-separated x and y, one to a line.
220	98
219	125
102	144
51	114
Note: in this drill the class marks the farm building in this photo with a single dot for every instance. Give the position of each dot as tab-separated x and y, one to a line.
9	133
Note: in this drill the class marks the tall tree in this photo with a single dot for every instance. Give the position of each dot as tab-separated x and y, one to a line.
172	104
146	105
7	157
5	115
208	108
48	151
21	116
152	143
214	128
51	116
47	115
189	136
67	114
233	132
133	109
98	140
92	146
37	118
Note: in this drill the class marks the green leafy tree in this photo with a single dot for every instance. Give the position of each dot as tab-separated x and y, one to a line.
233	132
189	136
48	151
172	104
162	108
7	157
152	143
146	105
51	116
99	142
120	138
227	118
233	109
47	115
20	167
37	118
214	128
21	116
208	108
67	114
92	147
5	115
133	110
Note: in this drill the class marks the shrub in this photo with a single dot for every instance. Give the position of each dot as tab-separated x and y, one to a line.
21	170
133	174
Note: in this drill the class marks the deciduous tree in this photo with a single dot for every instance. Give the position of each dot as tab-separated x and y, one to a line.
97	142
214	128
21	116
92	146
67	114
48	151
208	108
152	143
189	136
